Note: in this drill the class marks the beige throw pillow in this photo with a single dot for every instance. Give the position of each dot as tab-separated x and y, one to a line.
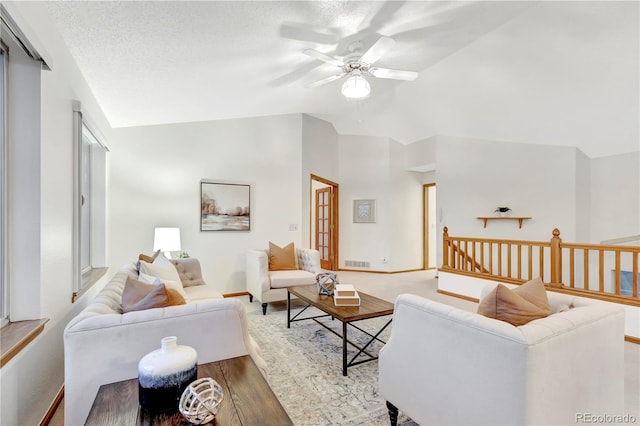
282	258
138	296
519	306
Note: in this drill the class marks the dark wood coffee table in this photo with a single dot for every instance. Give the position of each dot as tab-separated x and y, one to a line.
248	399
370	307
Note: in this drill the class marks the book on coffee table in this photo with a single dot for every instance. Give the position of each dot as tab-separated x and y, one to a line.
345	295
342	290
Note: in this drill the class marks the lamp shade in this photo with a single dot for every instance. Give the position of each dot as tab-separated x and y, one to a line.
356	86
166	239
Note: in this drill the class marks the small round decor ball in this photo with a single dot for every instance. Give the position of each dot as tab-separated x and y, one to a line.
200	401
326	282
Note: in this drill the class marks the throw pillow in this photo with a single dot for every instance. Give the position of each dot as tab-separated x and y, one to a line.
518	306
137	296
148	259
282	258
161	268
169	284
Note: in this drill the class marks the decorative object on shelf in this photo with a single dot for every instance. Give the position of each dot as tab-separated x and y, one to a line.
164	374
326	282
364	211
225	206
200	401
166	240
183	255
346	295
503	211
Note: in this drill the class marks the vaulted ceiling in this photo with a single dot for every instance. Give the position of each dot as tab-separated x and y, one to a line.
554	73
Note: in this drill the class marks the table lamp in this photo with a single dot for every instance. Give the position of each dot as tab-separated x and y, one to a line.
166	240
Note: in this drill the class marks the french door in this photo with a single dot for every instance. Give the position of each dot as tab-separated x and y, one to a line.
324	226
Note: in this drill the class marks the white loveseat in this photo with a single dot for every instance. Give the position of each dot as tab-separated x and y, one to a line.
446	366
271	286
103	345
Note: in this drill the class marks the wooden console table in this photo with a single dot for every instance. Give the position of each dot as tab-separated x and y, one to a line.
520	219
248	399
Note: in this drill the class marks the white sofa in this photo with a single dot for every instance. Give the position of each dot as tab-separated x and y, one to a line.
271	286
103	345
447	366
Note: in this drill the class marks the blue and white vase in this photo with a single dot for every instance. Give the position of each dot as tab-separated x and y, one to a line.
164	374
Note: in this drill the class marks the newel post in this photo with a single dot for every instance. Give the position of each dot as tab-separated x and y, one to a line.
556	259
445	247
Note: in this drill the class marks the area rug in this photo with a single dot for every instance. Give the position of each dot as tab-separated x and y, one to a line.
305	370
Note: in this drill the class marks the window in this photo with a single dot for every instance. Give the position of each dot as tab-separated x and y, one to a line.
89	219
3	169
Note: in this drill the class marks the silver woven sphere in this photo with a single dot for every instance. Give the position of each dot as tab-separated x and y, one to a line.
200	401
326	282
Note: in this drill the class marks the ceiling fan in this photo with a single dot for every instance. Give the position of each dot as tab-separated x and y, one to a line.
356	65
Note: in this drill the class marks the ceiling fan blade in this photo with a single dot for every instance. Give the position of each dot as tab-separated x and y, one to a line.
378	49
325	58
393	74
325	80
302	32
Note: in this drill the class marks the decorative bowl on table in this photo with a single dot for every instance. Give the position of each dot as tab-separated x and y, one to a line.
200	401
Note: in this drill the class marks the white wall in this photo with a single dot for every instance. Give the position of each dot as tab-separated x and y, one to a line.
155	181
31	380
615	198
476	176
374	168
319	157
364	174
583	197
406	213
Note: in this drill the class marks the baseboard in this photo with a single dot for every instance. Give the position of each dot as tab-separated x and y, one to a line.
53	408
459	296
632	339
380	272
242	293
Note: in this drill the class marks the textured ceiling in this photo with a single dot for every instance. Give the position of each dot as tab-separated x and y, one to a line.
481	63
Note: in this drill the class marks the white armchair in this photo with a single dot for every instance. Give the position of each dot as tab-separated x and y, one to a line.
447	366
271	286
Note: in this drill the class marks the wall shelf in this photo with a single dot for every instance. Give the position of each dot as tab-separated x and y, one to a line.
520	219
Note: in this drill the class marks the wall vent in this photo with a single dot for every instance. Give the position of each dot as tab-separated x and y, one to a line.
357	263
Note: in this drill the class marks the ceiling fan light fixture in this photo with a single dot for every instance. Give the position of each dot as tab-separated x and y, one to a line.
356	87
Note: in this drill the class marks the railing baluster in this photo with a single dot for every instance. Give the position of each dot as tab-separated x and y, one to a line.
586	268
530	274
601	271
541	261
491	258
572	267
634	287
519	261
617	272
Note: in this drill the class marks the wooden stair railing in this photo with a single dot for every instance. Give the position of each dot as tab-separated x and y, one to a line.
588	270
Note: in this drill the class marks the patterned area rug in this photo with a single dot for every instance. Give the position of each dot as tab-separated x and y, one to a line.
305	369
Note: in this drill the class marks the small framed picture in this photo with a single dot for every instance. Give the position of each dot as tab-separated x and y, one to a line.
364	211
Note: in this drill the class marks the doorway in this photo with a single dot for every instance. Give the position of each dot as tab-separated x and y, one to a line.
429	225
324	221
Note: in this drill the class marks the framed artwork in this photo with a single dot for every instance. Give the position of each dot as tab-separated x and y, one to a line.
225	206
364	211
